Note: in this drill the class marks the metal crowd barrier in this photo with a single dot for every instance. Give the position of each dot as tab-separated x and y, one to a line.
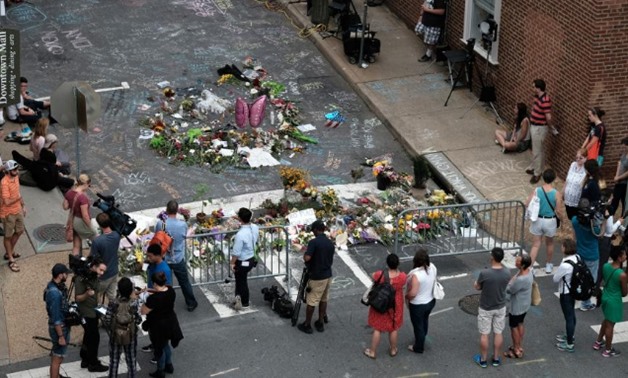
460	229
208	256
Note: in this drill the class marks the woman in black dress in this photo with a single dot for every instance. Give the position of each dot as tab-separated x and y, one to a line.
162	324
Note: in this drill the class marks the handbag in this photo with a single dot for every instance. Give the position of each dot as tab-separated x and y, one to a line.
438	292
69	226
532	211
536	294
552	207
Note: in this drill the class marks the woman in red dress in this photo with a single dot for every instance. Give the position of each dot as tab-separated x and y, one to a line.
392	320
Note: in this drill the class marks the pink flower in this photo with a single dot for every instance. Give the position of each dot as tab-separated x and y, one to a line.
423	226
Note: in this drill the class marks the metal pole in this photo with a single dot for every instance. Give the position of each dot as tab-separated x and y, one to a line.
361	60
78	152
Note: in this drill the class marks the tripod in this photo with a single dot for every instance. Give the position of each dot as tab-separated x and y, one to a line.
453	57
487	94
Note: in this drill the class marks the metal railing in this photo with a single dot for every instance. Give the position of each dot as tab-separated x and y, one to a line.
460	229
208	256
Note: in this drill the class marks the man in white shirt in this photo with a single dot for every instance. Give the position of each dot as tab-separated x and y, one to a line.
567	303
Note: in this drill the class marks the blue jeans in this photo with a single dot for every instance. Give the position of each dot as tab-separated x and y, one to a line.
567	304
180	271
166	357
593	268
419	316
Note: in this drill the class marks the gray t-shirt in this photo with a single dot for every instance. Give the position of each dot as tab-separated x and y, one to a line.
493	283
520	292
106	246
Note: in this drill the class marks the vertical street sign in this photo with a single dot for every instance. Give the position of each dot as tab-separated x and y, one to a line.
9	67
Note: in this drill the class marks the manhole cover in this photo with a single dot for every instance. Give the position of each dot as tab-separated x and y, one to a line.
470	304
50	233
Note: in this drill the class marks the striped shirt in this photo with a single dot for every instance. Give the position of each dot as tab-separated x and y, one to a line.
10	186
541	107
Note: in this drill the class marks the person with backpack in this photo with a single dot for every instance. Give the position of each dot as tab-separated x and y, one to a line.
492	283
587	232
389	283
420	297
563	277
122	320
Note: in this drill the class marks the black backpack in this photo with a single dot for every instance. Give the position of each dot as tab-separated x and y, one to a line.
582	285
382	295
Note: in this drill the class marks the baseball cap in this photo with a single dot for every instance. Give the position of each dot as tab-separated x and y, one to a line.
59	269
10	165
50	139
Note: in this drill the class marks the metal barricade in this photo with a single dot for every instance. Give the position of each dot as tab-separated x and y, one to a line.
460	229
208	256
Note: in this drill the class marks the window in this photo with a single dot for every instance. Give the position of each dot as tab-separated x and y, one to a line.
475	12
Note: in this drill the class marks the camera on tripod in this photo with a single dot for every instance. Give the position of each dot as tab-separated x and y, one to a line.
120	222
81	267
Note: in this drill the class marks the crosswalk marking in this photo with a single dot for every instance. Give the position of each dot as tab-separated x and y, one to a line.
73	369
620	332
224	311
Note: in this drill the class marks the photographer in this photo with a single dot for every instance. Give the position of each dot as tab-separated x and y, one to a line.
86	289
56	298
106	247
588	228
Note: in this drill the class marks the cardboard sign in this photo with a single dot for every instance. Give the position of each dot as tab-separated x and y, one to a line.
303	217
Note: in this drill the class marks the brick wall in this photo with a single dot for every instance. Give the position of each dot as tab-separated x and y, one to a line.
579	48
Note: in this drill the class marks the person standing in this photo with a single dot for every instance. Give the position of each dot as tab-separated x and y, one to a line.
492	283
540	117
519	290
126	297
243	256
605	247
318	259
78	203
567	303
12	212
156	264
572	190
391	320
595	141
162	322
546	225
621	178
430	24
615	288
106	247
175	258
56	298
86	290
587	233
420	297
591	188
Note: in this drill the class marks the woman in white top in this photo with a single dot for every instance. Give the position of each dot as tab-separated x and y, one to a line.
420	297
573	183
39	137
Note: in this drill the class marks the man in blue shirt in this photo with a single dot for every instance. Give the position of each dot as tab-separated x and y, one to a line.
56	297
106	246
243	256
587	245
175	257
156	264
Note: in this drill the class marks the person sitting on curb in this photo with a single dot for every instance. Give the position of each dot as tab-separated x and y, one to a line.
517	140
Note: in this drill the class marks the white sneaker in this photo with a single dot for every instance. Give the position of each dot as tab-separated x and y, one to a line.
238	303
548	268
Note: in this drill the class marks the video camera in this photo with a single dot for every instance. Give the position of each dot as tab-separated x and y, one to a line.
120	222
81	267
593	212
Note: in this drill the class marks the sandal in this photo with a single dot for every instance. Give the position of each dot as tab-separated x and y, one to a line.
511	353
15	256
370	354
13	266
393	352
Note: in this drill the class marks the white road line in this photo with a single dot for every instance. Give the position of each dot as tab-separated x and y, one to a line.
123	85
72	369
223	372
355	268
224	311
445	278
620	332
443	310
530	361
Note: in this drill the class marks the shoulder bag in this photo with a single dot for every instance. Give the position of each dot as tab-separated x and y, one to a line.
552	207
438	292
536	294
69	226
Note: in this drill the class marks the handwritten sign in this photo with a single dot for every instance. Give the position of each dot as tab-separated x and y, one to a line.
302	217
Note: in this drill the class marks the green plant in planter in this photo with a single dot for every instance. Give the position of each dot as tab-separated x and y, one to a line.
421	171
201	193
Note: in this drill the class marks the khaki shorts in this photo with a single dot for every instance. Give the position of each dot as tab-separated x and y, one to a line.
83	230
109	287
318	291
494	318
13	224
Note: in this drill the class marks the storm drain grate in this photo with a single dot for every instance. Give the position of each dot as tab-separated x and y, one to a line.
50	233
470	304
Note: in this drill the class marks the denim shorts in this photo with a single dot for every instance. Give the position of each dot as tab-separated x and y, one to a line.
58	350
544	227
